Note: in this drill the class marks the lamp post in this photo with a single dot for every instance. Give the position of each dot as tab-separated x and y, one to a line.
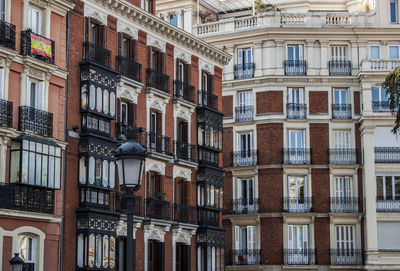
16	263
130	159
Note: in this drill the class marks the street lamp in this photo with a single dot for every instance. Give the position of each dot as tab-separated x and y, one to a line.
16	263
130	159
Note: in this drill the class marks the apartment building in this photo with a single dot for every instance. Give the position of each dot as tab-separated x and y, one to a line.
312	169
132	75
33	76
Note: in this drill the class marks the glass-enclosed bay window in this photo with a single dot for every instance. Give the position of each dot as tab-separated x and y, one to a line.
209	195
97	171
96	251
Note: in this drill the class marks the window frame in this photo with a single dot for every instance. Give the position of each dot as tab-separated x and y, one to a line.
38	12
380	51
398	51
384	189
300	56
393	7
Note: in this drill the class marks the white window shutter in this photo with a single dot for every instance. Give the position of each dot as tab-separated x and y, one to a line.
290	236
28	92
301	95
251	55
238	188
305	236
301	56
240	56
41	97
290	95
251	237
237	237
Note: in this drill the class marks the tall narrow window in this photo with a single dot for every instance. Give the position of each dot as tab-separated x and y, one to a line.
173	19
245	195
298	243
124	113
345	239
340	96
393	11
394	52
27	250
339	53
35	20
374	52
295	52
245	244
35	94
343	187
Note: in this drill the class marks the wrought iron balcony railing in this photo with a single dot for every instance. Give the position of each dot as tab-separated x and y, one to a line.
92	197
346	256
341	111
296	111
244	113
344	204
244	257
243	71
208	216
339	67
137	206
245	206
129	68
159	209
126	131
387	154
299	256
380	106
207	156
387	205
158	143
185	151
158	80
244	158
296	156
35	121
343	156
295	67
184	91
6	113
297	205
7	35
27	198
185	214
96	54
206	98
43	49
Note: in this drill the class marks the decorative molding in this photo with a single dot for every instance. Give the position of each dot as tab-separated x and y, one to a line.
183	112
61	7
154	232
184	173
156	42
152	165
127	29
182	235
129	90
90	11
179	53
122	228
203	65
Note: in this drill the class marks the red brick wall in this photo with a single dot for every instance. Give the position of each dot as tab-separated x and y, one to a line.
320	190
227	105
322	240
357	102
272	240
318	102
227	146
270	190
228	191
270	143
319	142
7	253
269	102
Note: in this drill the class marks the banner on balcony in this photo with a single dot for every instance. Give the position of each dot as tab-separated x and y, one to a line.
41	46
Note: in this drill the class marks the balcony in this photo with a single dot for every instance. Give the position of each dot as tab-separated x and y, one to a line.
27	198
296	111
296	156
157	80
246	158
35	121
341	111
137	205
185	151
96	198
244	71
346	256
126	131
96	54
244	257
7	35
387	154
299	256
158	144
380	106
158	209
387	205
379	65
207	155
185	214
343	156
6	113
41	48
206	98
244	113
295	67
344	204
208	216
245	206
129	68
297	205
183	91
339	68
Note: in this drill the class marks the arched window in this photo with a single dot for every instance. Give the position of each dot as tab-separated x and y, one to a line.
27	247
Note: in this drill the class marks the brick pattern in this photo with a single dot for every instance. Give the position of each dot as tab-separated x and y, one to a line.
357	102
270	143
319	141
318	102
270	190
269	102
227	105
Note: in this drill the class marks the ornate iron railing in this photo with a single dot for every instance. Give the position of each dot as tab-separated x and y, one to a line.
295	67
158	80
137	205
297	205
245	206
244	158
342	156
346	256
184	91
185	214
27	198
126	131
341	111
296	156
185	151
339	67
299	256
387	205
206	98
344	204
35	121
244	257
243	71
208	216
244	113
129	68
7	35
158	143
39	53
387	154
159	209
96	54
296	111
380	106
6	113
92	197
207	156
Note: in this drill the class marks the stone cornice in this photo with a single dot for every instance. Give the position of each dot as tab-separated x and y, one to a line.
60	7
161	27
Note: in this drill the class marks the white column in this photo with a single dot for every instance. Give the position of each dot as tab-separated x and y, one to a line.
187	19
3	158
146	250
46	28
310	58
280	57
324	58
228	69
23	89
258	58
354	57
366	96
269	58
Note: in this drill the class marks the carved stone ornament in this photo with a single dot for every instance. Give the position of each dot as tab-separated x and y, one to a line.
183	56
127	94
182	173
127	29
206	66
155	232
122	228
183	235
183	113
90	11
155	167
156	42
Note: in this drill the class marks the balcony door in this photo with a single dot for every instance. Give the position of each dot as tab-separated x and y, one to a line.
343	187
35	94
297	152
245	147
35	20
297	192
156	256
245	98
245	244
155	131
298	244
296	95
339	53
295	52
342	140
340	97
345	244
27	248
245	195
245	57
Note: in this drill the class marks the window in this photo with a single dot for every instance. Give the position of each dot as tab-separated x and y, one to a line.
343	187
245	98
379	99
389	235
245	195
27	247
182	132
298	243
173	19
244	56
388	187
393	11
147	5
296	95
182	192
295	52
155	189
155	123
210	258
124	113
157	61
182	257
244	147
340	96
297	139
156	255
339	53
394	52
245	244
35	94
95	171
98	99
96	251
345	238
3	9
95	34
35	20
342	139
374	52
35	163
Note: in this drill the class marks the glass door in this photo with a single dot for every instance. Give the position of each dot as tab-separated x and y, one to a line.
298	244
245	195
297	152
297	193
